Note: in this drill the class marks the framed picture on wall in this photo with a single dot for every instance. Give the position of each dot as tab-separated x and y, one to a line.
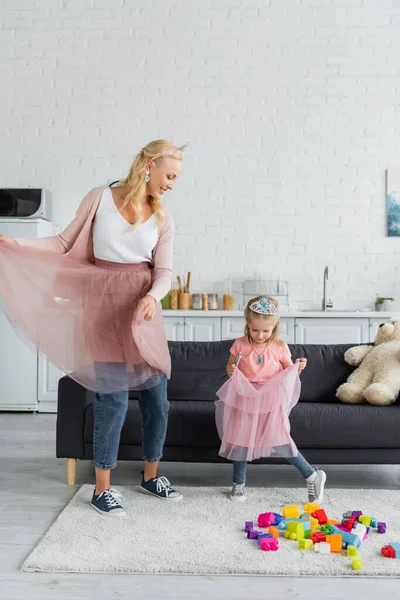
393	201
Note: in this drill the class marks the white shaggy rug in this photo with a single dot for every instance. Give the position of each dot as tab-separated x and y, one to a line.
204	534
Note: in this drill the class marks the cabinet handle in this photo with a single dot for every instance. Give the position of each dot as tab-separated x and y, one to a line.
188	323
181	323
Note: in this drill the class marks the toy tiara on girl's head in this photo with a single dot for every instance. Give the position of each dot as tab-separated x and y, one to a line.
263	307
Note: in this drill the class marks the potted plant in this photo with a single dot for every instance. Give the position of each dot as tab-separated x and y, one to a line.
383	303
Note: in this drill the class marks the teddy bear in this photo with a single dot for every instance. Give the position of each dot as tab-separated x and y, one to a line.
377	379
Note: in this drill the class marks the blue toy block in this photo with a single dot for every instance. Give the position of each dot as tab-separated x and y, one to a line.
348	539
374	523
396	548
278	518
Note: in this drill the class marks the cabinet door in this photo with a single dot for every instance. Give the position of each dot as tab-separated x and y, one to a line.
202	329
232	327
48	379
174	328
332	331
18	371
286	330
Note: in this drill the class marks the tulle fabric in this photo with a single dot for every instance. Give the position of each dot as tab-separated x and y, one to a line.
81	316
253	419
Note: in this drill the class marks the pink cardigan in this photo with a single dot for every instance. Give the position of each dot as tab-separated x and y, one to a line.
77	241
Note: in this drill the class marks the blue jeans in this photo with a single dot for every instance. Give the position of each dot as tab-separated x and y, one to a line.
304	468
109	416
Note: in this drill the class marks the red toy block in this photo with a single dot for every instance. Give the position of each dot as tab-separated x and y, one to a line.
317	537
348	523
388	552
321	517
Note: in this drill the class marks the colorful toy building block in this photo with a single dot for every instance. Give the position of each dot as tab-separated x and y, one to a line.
264	536
347	514
266	519
269	544
333	522
381	527
374	523
317	537
356	513
253	534
365	520
392	550
322	548
248	525
348	524
278	518
305	544
356	563
348	539
320	515
282	524
273	531
291	511
352	551
360	530
295	530
328	529
335	542
311	507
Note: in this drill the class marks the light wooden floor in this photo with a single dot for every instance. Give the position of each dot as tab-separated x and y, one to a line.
33	491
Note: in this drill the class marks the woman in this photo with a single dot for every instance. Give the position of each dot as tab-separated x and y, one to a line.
89	298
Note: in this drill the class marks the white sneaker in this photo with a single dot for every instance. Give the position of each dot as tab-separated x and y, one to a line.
238	493
315	486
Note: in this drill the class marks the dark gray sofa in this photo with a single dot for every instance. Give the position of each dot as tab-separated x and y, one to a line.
324	429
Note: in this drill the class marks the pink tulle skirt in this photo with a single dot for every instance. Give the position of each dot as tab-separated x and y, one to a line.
81	316
253	419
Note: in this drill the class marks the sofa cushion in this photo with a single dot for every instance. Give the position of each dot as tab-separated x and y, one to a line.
313	425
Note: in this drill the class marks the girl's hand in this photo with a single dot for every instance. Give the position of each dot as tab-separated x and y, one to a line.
146	308
230	369
302	363
4	239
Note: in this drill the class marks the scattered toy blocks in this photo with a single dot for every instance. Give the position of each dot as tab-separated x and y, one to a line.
291	512
335	542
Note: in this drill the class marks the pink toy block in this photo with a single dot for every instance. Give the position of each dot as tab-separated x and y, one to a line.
268	544
266	519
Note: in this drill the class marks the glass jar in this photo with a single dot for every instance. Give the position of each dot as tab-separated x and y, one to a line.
205	302
213	301
173	299
227	302
196	302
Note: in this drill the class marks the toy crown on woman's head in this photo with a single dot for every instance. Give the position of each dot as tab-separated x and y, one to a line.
264	307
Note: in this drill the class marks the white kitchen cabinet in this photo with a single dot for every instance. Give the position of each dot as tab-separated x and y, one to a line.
233	327
174	328
199	329
332	331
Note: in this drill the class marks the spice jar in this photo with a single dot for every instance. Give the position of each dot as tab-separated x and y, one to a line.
205	302
173	299
196	301
227	302
213	301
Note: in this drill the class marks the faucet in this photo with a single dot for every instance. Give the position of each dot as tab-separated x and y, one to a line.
326	304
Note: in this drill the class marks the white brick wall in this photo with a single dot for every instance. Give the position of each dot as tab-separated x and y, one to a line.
292	108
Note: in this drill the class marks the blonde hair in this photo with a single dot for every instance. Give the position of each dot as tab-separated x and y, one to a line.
136	178
248	313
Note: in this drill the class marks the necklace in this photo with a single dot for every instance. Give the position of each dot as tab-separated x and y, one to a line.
260	356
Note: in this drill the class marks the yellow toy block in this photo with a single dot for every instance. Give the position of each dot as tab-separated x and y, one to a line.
311	507
273	531
356	563
295	530
305	544
291	512
351	551
365	520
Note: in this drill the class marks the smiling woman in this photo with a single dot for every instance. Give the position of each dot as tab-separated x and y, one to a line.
89	298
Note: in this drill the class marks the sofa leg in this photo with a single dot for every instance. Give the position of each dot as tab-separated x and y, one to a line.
71	470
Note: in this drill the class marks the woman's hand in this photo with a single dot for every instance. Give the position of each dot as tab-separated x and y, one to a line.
146	308
302	363
4	239
230	369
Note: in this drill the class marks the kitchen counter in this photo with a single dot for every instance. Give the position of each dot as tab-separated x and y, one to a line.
304	314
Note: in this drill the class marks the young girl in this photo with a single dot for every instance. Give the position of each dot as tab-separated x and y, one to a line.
252	413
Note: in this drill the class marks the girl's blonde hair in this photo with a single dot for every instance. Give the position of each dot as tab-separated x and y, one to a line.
248	313
136	178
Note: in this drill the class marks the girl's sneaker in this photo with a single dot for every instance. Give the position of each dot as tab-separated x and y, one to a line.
315	486
238	493
108	503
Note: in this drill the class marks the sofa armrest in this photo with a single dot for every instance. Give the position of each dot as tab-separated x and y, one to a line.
72	402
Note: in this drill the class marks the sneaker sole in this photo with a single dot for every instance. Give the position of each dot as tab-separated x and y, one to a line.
174	498
233	499
112	513
321	494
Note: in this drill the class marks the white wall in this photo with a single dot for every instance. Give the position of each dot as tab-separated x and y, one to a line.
292	108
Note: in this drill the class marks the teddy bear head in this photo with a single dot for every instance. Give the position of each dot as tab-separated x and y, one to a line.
388	332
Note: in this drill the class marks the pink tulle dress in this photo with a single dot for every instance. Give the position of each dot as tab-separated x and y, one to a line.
79	311
252	417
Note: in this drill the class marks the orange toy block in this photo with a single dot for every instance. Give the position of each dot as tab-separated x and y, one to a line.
335	541
333	522
291	512
273	531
